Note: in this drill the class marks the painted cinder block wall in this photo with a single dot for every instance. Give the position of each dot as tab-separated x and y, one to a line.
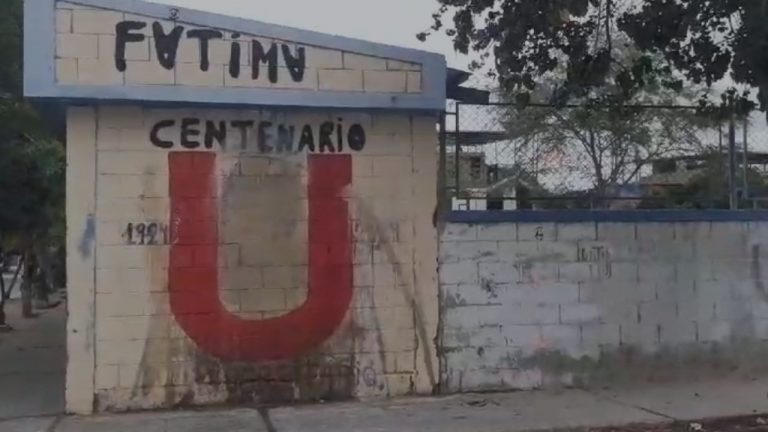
543	304
324	264
87	37
228	254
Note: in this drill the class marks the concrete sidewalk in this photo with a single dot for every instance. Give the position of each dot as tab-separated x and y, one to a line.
32	363
476	413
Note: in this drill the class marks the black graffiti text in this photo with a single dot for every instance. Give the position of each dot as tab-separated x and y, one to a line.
264	136
599	260
593	254
271	57
146	234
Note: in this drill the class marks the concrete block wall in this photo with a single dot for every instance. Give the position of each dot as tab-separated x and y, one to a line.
157	219
86	46
531	305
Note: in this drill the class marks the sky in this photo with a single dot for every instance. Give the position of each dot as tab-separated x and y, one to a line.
393	22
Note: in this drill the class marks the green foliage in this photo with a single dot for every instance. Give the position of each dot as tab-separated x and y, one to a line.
32	162
31	186
598	148
11	47
708	189
580	43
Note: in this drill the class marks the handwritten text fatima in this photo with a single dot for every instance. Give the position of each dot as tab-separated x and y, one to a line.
167	45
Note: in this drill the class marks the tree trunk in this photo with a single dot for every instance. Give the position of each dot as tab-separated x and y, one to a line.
3	322
44	281
26	285
46	278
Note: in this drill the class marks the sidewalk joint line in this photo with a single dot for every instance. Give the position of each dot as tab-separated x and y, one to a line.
629	405
52	427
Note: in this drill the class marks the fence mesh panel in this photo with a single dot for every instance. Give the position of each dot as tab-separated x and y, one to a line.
544	157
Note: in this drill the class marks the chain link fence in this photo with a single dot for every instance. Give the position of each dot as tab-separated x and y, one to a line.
585	157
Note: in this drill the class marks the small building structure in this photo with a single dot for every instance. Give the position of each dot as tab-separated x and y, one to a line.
249	206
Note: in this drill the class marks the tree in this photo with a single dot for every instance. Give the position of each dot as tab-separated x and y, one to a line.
32	163
11	47
700	41
706	40
708	189
31	188
600	149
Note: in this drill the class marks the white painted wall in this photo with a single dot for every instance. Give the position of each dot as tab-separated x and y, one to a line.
534	305
124	344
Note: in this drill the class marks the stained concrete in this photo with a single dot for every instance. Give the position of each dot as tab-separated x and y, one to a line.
539	305
699	400
472	412
39	424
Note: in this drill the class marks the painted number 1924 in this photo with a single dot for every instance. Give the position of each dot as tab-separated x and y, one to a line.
146	233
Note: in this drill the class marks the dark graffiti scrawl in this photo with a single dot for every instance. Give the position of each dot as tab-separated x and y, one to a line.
276	57
263	136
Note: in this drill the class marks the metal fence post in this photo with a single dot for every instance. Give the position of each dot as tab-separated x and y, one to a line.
442	179
734	203
457	143
745	148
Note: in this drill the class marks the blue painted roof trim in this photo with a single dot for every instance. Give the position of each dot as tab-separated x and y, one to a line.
40	73
630	216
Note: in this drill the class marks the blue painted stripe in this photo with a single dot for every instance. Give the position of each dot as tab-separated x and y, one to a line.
576	216
240	96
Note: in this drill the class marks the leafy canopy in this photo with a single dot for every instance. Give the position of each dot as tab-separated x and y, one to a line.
698	41
599	148
32	163
11	47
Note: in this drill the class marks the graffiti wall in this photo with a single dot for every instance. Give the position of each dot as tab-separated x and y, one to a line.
250	207
288	257
596	303
101	47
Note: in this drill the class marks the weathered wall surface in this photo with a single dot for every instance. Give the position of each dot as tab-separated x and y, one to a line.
221	255
98	47
529	305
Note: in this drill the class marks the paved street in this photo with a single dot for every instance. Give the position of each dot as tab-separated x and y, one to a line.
477	413
32	360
